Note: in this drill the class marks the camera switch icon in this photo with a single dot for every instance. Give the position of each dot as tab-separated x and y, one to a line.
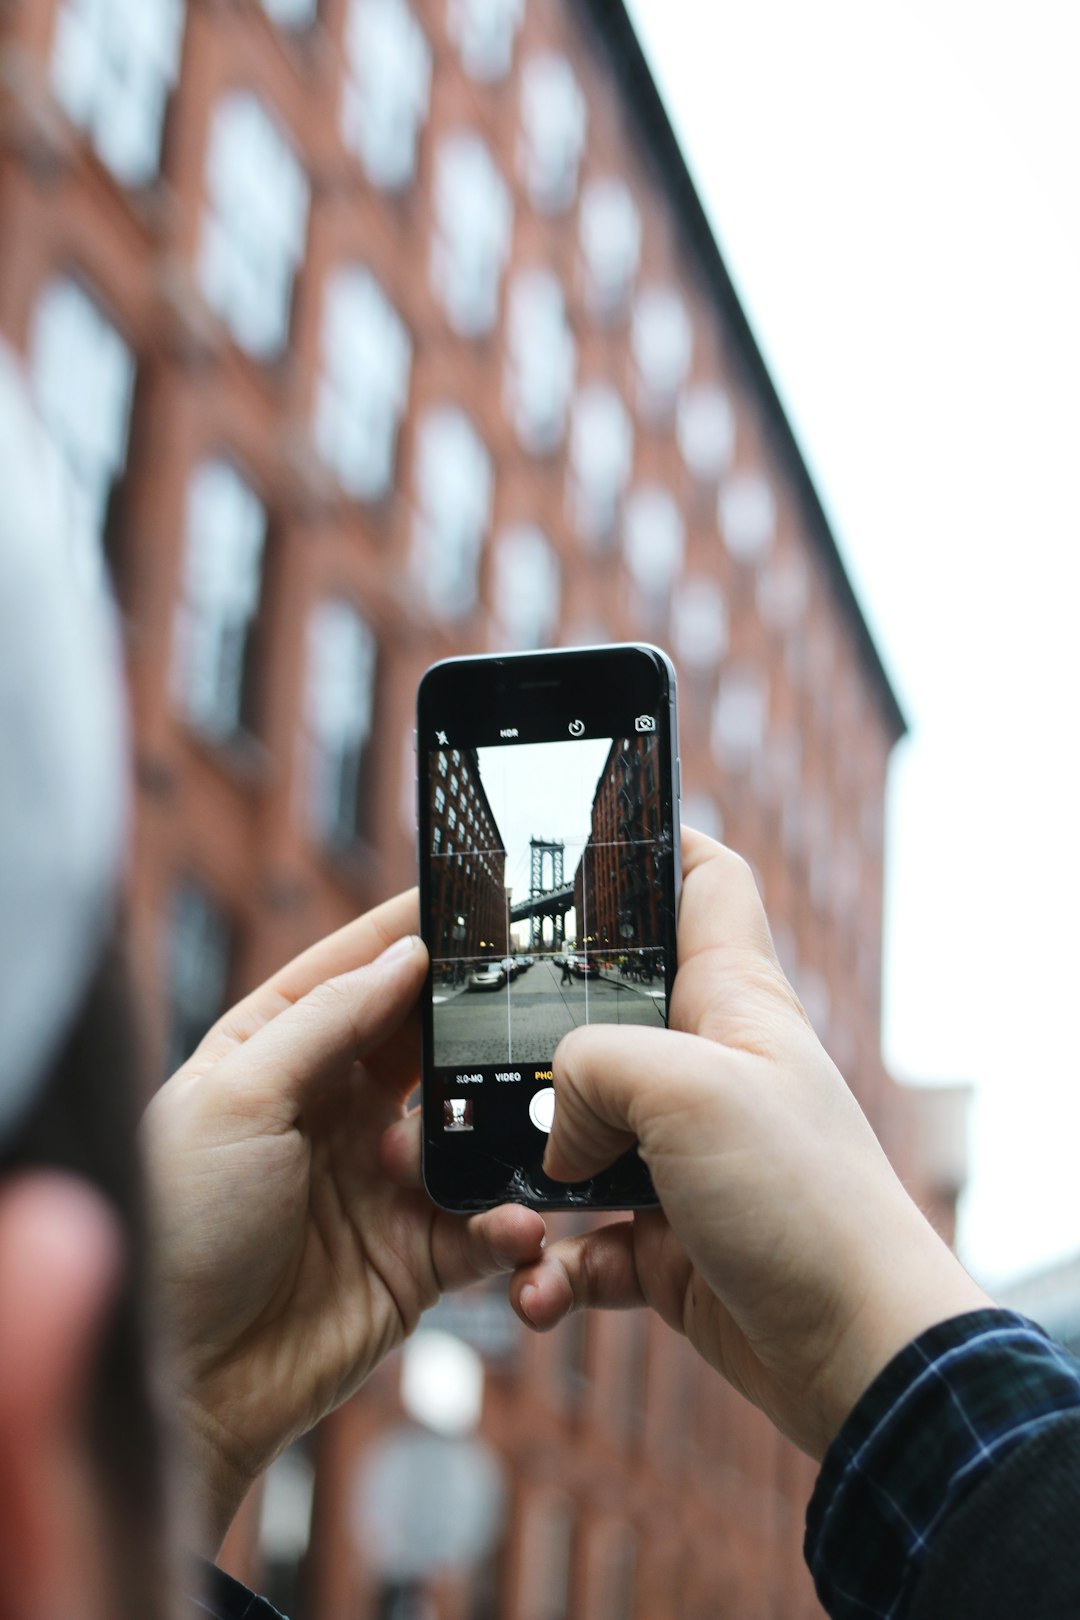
645	722
577	728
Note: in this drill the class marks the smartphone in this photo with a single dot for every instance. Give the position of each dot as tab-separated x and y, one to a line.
549	880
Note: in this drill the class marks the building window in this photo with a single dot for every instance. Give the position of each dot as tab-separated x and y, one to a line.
706	430
541	359
443	763
387	90
663	343
340	703
654	539
747	516
292	13
610	245
553	125
783	592
436	839
471	245
82	375
526	589
484	32
453	786
601	460
738	732
440	799
699	623
255	224
198	953
364	385
113	65
454	488
226	532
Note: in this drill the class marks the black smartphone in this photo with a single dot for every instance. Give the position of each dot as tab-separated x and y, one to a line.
549	879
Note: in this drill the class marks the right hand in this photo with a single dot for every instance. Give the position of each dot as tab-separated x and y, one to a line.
786	1248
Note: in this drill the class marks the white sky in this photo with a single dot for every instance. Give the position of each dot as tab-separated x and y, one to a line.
542	790
897	194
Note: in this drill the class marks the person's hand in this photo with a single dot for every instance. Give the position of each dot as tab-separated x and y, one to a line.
786	1248
289	1263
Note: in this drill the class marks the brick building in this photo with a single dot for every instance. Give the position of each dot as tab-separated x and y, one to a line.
618	886
373	331
468	889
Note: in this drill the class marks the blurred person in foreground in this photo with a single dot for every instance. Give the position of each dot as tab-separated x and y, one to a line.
294	1246
288	1264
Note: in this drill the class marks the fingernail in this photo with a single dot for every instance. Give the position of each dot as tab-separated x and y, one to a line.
399	950
528	1292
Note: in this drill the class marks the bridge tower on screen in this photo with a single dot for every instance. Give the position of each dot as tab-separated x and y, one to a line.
546	860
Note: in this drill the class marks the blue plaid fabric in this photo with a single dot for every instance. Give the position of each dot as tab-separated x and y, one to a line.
929	1429
216	1596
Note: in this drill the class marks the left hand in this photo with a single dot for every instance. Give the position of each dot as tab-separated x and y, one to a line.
289	1262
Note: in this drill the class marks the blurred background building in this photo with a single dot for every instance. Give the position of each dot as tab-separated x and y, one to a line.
372	331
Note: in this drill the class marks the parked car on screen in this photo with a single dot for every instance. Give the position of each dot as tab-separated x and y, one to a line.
509	967
488	976
584	967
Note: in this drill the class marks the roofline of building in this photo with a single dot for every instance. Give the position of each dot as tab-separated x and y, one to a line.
642	97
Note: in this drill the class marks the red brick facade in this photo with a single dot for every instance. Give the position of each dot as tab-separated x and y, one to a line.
568	435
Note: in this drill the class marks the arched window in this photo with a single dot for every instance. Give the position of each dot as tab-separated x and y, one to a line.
601	460
113	65
471	245
225	533
654	539
747	515
255	224
339	704
364	385
610	232
526	592
554	119
663	343
82	373
541	359
484	32
699	623
454	492
706	429
738	732
387	89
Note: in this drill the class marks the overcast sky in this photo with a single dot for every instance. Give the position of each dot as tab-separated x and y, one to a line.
542	790
897	193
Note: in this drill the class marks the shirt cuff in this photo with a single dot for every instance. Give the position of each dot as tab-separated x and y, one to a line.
923	1436
214	1595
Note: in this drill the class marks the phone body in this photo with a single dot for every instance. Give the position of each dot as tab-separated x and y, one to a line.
548	816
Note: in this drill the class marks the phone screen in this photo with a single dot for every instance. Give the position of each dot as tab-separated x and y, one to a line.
548	821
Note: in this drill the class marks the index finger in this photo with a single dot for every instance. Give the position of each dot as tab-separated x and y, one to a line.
353	946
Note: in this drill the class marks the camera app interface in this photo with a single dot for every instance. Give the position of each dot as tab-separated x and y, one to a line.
549	907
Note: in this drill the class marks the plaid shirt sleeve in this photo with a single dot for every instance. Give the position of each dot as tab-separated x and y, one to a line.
926	1433
213	1595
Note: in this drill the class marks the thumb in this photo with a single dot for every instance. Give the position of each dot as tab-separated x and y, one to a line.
285	1063
613	1087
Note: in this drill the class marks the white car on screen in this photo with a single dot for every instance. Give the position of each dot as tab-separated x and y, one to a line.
488	976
